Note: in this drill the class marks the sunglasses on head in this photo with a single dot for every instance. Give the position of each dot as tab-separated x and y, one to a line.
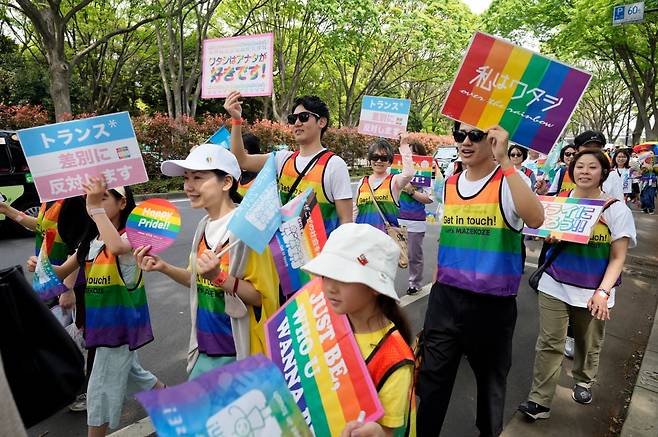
475	135
302	116
382	158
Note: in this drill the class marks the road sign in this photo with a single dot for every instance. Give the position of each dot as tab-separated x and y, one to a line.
627	14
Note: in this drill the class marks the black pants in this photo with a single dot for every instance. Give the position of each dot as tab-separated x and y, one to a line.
460	322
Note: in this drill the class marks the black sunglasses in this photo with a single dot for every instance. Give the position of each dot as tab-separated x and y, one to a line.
516	155
567	154
382	158
302	116
475	135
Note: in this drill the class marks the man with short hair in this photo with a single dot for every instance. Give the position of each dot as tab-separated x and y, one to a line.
613	185
472	305
312	166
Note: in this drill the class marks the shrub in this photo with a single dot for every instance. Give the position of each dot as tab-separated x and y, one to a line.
22	116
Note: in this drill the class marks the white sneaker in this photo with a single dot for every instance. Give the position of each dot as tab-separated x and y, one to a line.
569	347
80	403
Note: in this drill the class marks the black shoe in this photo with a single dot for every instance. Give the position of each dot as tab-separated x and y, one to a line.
581	394
412	290
534	411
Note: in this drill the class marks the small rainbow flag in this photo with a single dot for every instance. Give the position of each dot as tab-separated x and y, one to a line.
529	95
154	222
321	362
423	165
298	240
568	218
45	281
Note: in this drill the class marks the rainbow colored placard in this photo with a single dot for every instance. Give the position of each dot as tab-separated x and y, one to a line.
568	219
529	95
45	281
423	165
321	362
155	223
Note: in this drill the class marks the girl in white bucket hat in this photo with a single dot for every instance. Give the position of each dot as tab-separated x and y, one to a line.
231	295
358	265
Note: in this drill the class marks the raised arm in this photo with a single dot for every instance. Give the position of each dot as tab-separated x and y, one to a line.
18	216
527	205
95	189
253	163
401	180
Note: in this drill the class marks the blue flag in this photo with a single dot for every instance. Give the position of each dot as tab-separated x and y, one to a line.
259	215
222	138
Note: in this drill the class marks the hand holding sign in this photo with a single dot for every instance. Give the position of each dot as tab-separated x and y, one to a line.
154	223
233	105
498	138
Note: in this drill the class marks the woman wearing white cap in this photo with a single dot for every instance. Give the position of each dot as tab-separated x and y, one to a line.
358	265
232	290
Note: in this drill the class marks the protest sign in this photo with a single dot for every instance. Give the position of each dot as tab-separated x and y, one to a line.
529	95
423	166
241	63
568	219
222	138
155	223
63	156
259	216
321	362
245	398
45	281
298	240
384	116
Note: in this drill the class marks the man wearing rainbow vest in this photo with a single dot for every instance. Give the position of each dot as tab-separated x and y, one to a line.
312	166
472	305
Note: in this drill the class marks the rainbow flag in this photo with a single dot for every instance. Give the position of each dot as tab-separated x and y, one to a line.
321	362
45	281
568	218
298	240
155	223
423	165
529	95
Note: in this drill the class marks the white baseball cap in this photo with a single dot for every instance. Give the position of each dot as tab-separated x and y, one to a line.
204	157
359	253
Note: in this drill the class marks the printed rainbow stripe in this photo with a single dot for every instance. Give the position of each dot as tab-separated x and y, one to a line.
423	166
321	362
154	222
519	77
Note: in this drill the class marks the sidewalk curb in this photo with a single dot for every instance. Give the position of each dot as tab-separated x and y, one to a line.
642	417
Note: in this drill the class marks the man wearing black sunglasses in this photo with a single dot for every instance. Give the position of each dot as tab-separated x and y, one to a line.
472	305
312	166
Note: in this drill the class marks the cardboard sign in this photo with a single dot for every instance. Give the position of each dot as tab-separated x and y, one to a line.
154	222
423	165
568	219
384	116
321	362
241	63
245	398
63	156
529	95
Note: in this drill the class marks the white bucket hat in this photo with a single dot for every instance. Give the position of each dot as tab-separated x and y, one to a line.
359	253
204	157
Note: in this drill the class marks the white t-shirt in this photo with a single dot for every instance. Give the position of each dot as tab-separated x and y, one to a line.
614	185
468	188
127	262
626	180
216	230
336	181
620	221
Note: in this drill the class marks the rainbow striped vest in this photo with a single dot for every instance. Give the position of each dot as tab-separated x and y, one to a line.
411	209
213	325
584	265
243	188
566	185
368	212
478	250
115	314
314	178
58	251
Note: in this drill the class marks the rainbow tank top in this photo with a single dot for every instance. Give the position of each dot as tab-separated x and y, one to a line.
213	325
368	212
115	314
584	265
243	188
58	251
565	185
314	178
410	208
478	250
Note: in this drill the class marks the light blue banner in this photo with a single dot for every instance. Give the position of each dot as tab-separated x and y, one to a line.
222	138
386	104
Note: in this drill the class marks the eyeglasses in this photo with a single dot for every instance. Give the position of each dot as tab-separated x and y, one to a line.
302	116
475	135
569	154
515	155
382	158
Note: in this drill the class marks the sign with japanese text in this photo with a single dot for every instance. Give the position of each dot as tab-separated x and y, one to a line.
63	156
423	166
568	219
529	95
245	398
321	362
241	63
383	116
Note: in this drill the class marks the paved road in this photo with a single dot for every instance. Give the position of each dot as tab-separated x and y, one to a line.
170	318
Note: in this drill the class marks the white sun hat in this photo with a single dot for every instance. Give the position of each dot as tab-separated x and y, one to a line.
204	157
359	253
